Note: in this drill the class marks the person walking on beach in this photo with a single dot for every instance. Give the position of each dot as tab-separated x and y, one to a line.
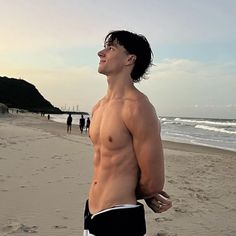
81	123
69	123
87	124
128	154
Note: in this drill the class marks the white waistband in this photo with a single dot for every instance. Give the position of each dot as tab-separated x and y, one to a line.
121	206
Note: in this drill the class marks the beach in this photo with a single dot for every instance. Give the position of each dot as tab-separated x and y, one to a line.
45	175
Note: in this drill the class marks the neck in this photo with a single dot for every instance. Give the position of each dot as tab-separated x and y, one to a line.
118	86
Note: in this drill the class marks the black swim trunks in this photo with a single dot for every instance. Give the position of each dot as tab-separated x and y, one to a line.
122	220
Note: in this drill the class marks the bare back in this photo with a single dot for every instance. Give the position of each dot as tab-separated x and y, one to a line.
115	165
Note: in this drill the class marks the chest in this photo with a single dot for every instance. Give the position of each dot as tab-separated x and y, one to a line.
108	128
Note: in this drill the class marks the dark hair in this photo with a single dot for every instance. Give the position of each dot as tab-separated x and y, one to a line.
135	44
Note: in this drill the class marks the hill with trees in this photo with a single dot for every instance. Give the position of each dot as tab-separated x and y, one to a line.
18	93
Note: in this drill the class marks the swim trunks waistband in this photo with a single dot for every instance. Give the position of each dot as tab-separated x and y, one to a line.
116	207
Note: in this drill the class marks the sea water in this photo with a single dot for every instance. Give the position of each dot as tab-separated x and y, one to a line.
220	133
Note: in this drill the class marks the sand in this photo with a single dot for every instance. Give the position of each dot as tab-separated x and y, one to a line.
45	174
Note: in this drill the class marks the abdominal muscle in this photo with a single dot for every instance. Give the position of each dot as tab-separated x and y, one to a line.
114	181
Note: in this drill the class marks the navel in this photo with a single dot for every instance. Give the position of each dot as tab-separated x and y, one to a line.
110	139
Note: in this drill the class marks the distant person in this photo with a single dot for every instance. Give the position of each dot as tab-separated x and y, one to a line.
69	123
87	124
48	117
81	123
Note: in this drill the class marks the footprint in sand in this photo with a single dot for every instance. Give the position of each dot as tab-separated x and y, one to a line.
163	233
202	197
162	219
171	181
68	177
56	157
33	157
180	210
60	227
4	190
16	227
23	186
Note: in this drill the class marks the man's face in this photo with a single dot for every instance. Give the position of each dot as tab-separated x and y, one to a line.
113	58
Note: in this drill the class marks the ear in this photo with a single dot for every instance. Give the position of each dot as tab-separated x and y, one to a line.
131	59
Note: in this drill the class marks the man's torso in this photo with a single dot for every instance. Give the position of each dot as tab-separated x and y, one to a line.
115	165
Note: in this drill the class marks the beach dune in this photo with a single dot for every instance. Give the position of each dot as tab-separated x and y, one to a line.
45	174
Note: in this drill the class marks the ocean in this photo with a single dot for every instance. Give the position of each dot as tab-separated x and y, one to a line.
219	133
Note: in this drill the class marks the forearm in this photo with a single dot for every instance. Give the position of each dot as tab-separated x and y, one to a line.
148	190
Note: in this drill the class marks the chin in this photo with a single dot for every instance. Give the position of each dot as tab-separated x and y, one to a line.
101	71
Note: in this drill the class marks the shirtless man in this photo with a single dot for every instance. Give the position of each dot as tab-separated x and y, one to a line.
125	132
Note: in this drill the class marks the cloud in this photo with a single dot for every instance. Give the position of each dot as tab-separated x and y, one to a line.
46	24
190	69
191	88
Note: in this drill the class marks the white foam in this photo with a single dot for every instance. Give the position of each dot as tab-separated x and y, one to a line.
220	123
222	130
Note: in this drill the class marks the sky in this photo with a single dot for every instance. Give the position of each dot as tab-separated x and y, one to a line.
53	44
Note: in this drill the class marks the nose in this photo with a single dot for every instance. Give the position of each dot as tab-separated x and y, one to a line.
101	53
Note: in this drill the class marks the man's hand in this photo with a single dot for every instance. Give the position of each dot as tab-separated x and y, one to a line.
159	202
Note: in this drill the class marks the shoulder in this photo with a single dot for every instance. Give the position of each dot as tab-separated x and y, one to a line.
139	105
139	110
97	105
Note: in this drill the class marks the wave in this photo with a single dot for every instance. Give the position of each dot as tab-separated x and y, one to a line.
163	119
222	130
219	133
219	123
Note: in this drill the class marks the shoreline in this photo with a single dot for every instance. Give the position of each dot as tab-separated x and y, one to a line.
195	147
193	142
45	175
54	126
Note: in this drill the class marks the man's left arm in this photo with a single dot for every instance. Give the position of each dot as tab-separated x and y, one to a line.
149	153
